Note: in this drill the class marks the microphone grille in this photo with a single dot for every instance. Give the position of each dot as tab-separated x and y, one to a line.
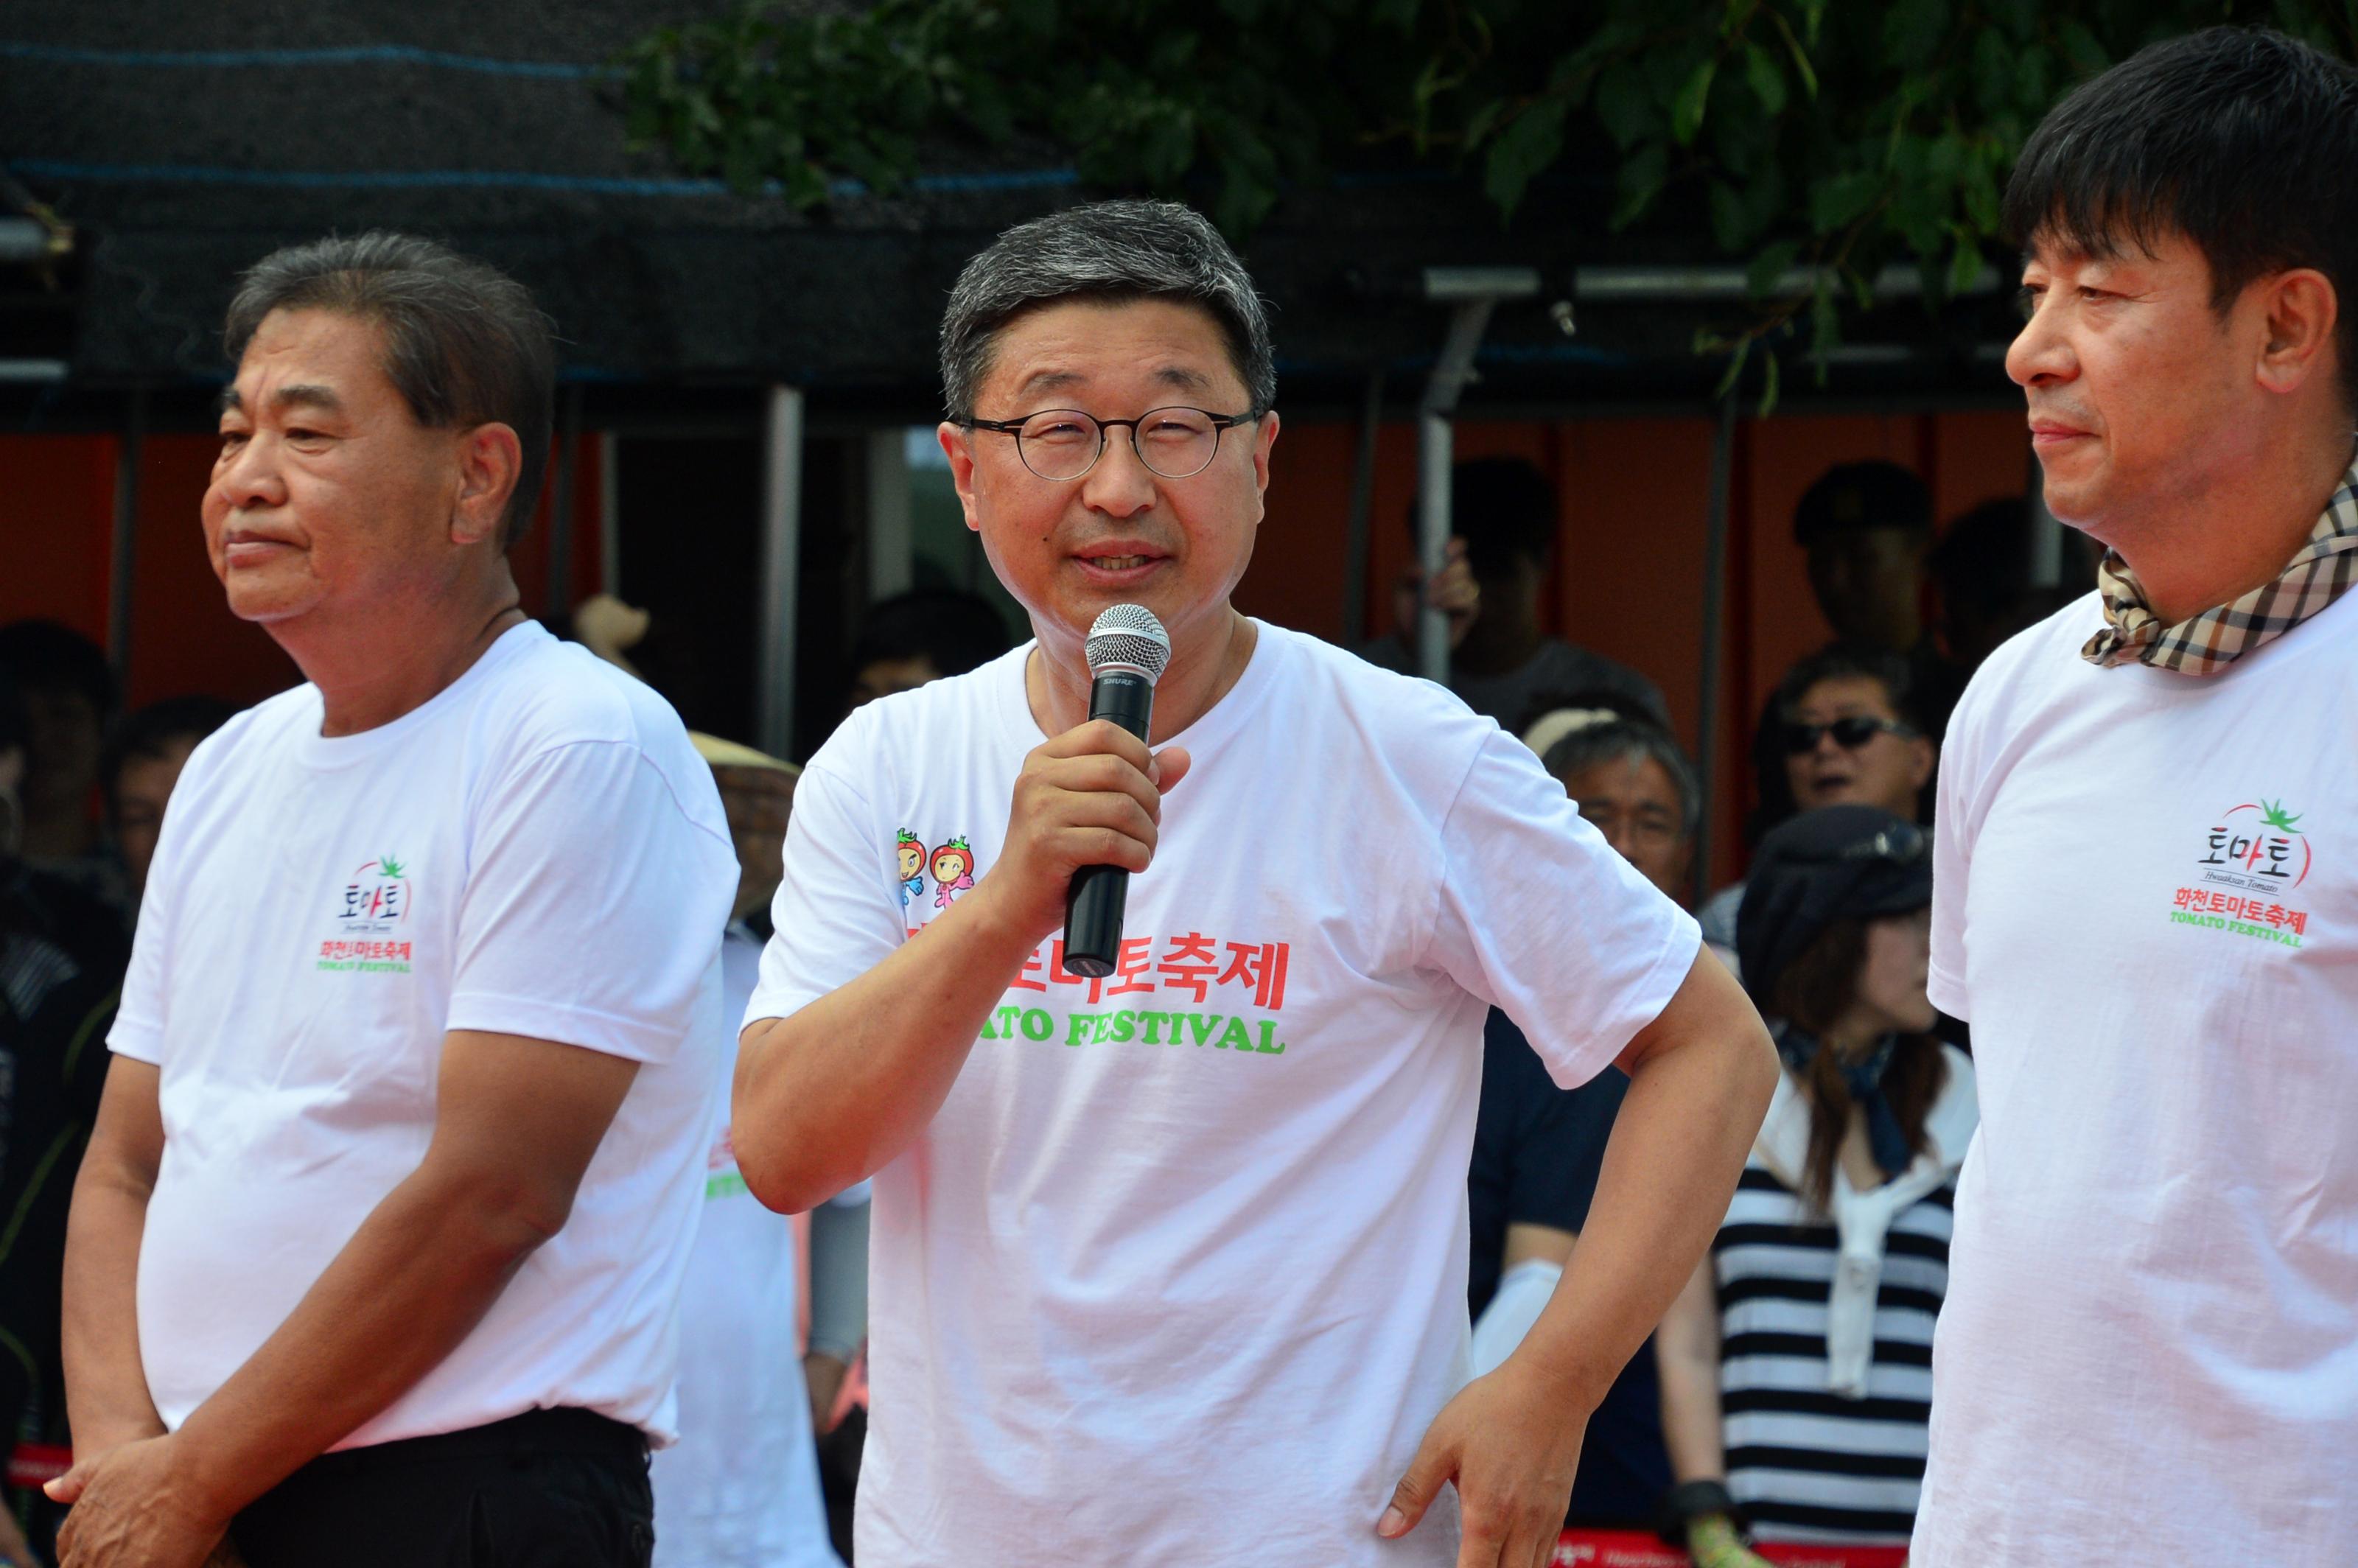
1129	635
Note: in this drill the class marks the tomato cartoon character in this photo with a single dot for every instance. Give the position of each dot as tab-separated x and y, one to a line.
912	854
953	871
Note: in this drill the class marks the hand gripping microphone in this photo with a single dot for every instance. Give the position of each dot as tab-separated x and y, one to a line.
1128	650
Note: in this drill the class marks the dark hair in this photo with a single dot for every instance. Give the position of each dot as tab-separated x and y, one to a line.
1504	509
16	728
1983	561
149	733
958	632
464	344
47	655
1863	495
1105	253
1846	661
2240	138
1813	991
1614	740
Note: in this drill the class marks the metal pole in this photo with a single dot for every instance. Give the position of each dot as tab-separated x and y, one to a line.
890	549
782	533
609	512
558	599
1435	448
1715	597
1363	495
120	562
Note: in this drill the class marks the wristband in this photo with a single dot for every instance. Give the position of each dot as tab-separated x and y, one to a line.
1691	1500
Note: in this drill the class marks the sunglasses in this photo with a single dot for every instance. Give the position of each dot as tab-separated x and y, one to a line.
1849	733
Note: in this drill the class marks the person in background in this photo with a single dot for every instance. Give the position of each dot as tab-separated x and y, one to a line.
1538	1148
740	1487
1503	513
1796	1364
1846	731
68	692
923	635
1867	531
61	958
143	761
1982	569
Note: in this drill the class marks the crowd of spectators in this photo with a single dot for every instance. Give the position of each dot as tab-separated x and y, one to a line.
1788	1389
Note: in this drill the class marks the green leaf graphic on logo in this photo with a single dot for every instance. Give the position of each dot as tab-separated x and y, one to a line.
389	866
2273	814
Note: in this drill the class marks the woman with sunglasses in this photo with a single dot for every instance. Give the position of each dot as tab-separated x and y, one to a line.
1845	732
1796	1367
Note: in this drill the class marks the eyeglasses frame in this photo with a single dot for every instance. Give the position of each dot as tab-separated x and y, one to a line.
1221	425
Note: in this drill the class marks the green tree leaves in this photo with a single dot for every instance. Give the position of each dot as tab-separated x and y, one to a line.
1837	139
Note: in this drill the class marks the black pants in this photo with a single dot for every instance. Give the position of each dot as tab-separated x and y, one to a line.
553	1488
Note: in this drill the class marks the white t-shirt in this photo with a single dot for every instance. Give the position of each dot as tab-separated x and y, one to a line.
1177	1274
2146	905
740	1490
535	851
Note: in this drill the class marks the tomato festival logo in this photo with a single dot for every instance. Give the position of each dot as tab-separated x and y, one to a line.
2254	857
373	911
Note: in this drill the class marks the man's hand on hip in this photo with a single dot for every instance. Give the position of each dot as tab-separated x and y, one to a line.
1092	796
134	1508
1511	1443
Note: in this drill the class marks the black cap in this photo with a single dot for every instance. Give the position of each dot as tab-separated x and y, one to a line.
1839	863
1863	495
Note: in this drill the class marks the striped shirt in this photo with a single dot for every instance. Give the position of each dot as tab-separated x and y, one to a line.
1808	1463
1825	1327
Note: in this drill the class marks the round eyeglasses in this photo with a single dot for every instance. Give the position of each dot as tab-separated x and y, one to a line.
1063	444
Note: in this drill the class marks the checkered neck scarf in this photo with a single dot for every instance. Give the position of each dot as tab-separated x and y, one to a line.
2206	643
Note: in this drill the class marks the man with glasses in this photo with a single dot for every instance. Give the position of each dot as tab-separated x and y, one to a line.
1844	732
1169	1264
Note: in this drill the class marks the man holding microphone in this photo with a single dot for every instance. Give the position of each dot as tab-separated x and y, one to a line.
1170	1262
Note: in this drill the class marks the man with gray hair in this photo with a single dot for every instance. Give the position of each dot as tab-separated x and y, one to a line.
1169	1263
401	1147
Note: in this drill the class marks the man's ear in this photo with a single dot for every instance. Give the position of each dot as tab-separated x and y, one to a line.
1264	437
958	445
2301	312
491	462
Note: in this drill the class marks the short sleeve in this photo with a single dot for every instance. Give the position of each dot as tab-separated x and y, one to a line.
836	916
1952	824
596	898
1539	917
138	1028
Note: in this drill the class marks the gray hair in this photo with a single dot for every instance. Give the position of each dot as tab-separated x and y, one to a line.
1107	252
464	344
1629	740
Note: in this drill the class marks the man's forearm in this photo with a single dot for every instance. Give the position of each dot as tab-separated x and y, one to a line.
827	1097
107	1401
1678	1146
412	1283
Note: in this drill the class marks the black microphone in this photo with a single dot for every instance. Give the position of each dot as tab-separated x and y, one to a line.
1128	650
